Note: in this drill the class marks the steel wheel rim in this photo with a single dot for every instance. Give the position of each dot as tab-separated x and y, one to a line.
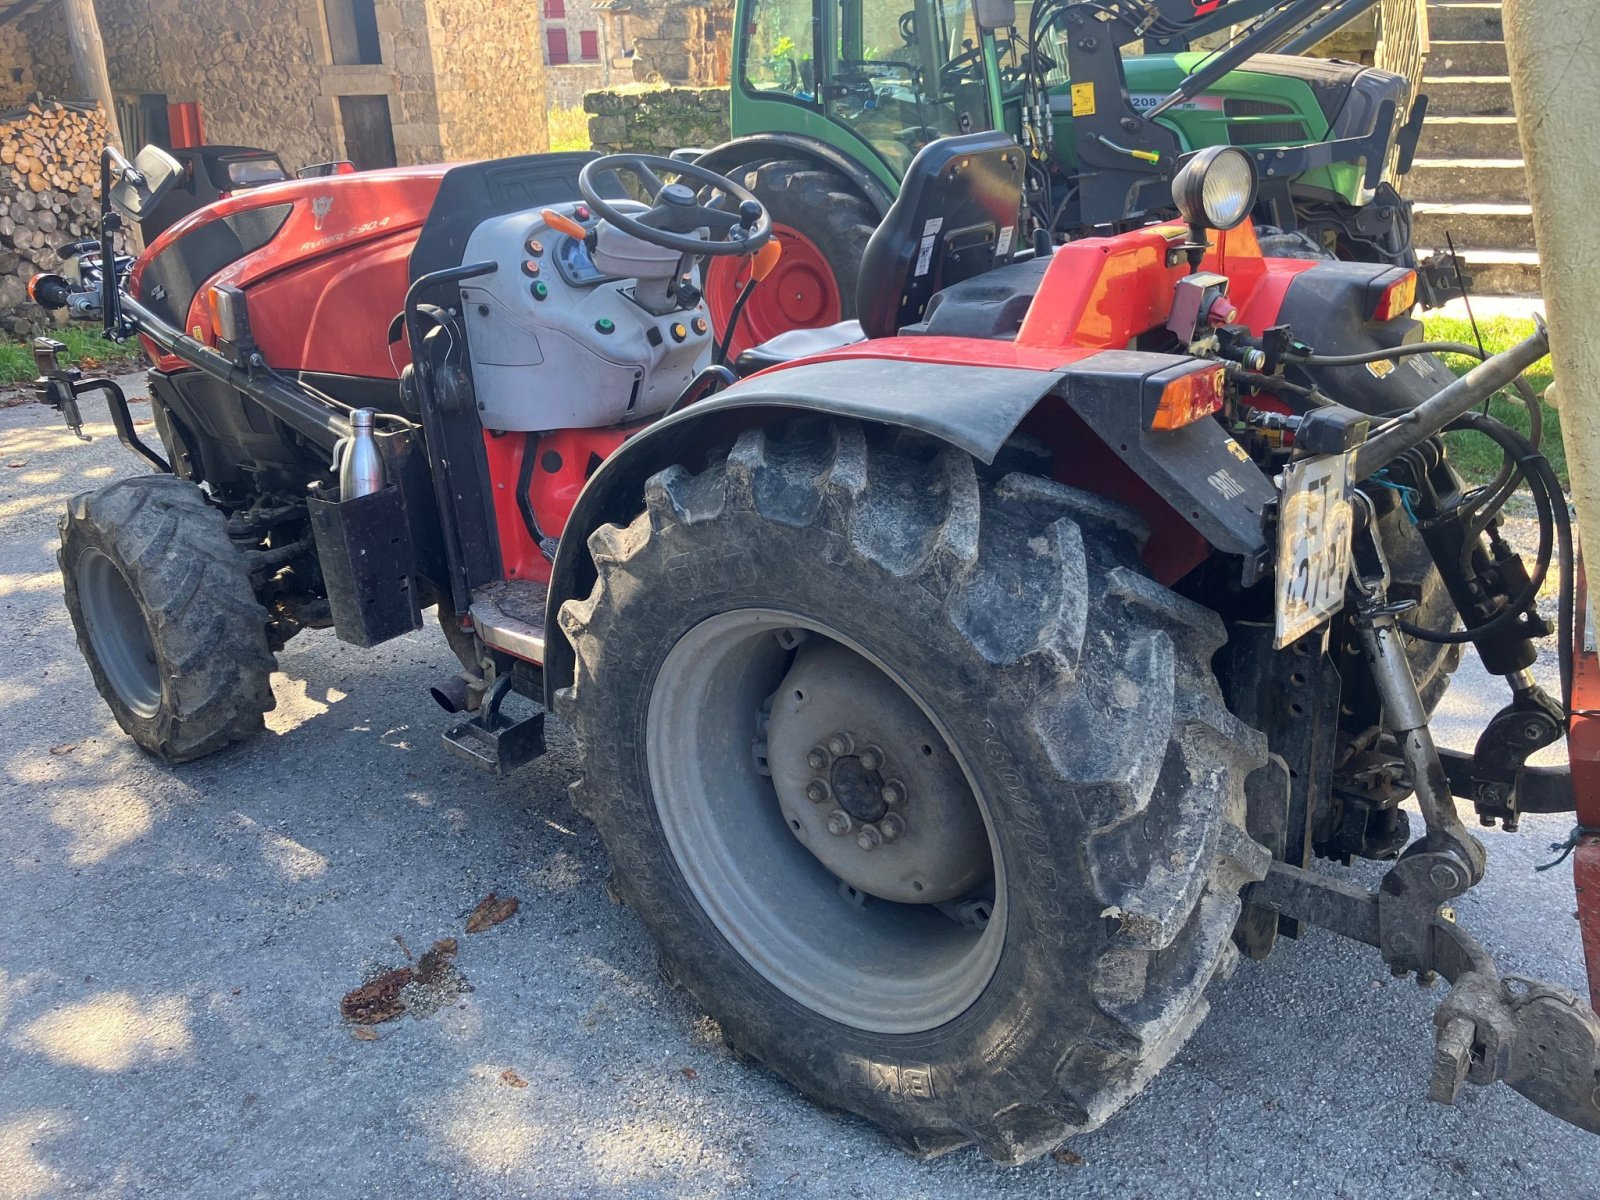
118	633
801	292
879	967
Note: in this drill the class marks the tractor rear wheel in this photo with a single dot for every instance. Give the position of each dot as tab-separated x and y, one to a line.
166	616
823	224
925	790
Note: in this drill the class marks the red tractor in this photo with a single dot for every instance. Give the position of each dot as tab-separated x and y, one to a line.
960	693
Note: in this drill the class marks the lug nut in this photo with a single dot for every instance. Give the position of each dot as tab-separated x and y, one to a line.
871	758
894	792
816	791
839	822
869	838
817	759
840	744
892	826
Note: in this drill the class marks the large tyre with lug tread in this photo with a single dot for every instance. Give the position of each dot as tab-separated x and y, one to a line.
166	616
831	630
823	224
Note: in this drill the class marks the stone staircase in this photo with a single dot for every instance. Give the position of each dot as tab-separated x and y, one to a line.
1468	176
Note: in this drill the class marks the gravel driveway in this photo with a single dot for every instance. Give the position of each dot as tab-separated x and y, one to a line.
176	943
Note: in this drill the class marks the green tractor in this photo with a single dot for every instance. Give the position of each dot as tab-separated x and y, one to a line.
831	101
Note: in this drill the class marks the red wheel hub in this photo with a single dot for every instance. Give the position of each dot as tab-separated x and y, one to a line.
801	292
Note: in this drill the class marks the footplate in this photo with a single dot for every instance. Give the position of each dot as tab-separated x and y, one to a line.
1540	1038
495	742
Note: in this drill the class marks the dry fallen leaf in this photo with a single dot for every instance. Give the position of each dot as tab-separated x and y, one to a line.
19	463
511	1077
1067	1158
64	748
377	1000
435	958
690	1073
491	912
362	1034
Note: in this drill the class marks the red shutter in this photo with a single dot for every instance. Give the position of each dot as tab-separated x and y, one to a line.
588	44
555	8
558	46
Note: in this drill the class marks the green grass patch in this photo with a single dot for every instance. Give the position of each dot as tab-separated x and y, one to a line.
569	129
1475	456
85	348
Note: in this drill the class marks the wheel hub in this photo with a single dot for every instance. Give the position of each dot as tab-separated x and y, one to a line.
867	784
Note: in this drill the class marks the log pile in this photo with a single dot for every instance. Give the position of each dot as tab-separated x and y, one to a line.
49	195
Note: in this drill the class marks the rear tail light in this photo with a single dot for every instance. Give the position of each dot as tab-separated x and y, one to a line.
1397	299
1188	398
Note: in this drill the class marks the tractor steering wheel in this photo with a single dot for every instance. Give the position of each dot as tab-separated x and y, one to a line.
676	214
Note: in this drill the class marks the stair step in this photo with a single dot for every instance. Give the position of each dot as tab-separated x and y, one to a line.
1467	58
1465	22
1502	272
1468	95
1464	180
1473	225
1467	137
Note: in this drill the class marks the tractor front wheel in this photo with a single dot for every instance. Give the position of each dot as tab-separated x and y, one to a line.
166	616
925	790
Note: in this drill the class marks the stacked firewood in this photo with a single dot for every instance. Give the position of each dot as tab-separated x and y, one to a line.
49	196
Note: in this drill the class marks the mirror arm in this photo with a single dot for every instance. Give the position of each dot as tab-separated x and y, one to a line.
110	223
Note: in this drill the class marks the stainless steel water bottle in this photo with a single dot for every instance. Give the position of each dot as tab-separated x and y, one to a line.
361	469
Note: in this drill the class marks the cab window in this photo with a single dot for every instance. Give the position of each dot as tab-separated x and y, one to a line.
779	54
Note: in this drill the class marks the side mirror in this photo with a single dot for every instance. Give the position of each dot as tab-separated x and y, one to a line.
995	14
137	192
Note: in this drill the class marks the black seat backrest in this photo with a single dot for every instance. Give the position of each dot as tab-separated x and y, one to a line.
957	216
474	192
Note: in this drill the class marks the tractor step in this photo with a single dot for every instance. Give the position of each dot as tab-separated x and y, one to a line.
510	617
495	742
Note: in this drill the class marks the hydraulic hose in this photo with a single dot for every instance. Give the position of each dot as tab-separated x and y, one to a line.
1524	389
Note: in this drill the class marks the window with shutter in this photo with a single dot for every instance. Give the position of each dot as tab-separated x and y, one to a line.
558	46
588	44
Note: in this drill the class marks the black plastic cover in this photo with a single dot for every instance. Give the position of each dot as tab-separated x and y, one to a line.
169	281
364	550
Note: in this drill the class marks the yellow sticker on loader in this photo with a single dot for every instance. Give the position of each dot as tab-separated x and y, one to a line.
1083	99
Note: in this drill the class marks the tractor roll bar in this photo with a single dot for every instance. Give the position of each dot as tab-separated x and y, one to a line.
1394	438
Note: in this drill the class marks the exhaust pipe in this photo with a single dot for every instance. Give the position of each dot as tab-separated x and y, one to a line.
458	693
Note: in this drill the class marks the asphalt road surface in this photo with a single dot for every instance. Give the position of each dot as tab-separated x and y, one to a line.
175	944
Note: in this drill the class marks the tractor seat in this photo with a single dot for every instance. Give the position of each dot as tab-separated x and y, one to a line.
797	344
958	215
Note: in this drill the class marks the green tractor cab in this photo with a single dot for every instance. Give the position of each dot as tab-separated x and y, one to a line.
830	102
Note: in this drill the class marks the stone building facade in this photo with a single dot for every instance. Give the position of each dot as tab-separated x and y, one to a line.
584	48
381	82
680	42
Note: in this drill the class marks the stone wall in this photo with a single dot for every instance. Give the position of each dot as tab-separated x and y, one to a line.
649	119
566	86
488	68
254	73
681	41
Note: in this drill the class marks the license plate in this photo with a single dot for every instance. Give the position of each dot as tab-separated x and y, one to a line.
1313	545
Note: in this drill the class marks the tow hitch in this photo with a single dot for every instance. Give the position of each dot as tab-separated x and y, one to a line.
1540	1038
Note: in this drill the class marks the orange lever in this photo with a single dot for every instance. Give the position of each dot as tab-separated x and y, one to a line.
562	224
766	258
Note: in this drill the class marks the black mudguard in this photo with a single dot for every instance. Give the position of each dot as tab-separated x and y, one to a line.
1198	470
1329	308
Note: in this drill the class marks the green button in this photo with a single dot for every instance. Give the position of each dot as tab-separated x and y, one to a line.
605	325
540	290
